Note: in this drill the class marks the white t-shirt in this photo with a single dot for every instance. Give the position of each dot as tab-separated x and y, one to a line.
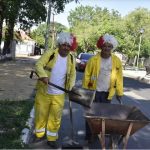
58	75
103	82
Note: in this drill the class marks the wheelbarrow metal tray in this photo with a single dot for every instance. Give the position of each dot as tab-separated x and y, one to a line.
117	118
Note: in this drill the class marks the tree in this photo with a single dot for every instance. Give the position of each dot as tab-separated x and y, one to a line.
31	13
39	34
134	22
92	23
58	6
2	8
27	13
10	15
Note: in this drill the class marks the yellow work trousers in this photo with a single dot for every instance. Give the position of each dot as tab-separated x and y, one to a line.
48	113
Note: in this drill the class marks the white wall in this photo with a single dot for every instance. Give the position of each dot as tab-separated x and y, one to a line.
2	45
25	48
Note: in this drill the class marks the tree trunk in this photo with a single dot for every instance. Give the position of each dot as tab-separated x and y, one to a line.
9	34
1	21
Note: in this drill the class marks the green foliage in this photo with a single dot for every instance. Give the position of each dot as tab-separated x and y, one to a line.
31	13
92	23
134	22
13	117
59	5
11	10
145	48
88	23
25	12
39	34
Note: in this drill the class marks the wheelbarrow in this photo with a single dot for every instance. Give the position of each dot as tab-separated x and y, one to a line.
109	119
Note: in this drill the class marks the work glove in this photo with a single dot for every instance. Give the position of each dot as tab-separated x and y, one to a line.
44	80
119	98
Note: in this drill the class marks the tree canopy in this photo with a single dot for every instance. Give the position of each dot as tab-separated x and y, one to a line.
88	23
25	12
91	22
39	34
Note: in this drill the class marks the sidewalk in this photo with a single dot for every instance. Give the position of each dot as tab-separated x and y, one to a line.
14	78
138	75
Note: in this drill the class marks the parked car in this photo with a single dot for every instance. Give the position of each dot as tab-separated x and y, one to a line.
81	61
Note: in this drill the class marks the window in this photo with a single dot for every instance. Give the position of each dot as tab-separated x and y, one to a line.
86	56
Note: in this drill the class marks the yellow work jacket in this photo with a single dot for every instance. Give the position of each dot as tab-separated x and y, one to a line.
45	65
92	71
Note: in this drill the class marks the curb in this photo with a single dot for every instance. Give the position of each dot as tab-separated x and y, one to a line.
27	132
143	79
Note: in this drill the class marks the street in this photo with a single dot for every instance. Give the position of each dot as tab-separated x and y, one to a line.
135	94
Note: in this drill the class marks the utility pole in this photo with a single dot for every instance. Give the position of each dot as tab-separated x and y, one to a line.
1	21
139	51
53	32
48	25
141	32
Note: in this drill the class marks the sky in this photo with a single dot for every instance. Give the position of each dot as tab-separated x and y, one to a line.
122	6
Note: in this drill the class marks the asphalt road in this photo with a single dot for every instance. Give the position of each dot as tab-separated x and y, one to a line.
135	94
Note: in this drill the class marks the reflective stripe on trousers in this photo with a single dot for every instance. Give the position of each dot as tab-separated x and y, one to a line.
40	130
49	133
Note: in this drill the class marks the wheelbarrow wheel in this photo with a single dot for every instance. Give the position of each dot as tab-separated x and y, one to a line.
114	141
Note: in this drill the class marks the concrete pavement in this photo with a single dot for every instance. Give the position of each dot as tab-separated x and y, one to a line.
137	75
15	83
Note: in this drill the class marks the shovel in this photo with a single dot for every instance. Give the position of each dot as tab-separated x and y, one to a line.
71	143
56	86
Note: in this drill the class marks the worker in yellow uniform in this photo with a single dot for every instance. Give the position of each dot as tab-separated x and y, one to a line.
57	67
103	74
